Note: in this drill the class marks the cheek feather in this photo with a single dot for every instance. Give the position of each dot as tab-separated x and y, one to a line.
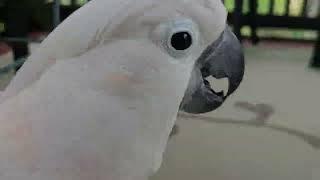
25	150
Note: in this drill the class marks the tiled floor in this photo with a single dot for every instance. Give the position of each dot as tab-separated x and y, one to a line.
268	130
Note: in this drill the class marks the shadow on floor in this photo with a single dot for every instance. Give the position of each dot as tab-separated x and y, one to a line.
262	112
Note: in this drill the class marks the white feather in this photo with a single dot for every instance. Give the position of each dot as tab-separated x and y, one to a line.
99	101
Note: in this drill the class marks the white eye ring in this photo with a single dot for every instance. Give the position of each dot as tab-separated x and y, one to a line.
168	30
187	28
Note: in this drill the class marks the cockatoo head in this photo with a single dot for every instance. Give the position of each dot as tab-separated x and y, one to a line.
189	33
192	32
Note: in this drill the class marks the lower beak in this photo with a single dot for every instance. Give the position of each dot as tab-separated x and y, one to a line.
222	59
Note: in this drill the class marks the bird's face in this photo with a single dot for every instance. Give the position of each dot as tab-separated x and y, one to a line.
190	32
182	32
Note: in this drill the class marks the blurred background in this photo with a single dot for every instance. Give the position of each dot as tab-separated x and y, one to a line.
268	130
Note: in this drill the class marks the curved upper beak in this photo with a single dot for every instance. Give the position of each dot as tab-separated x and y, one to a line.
222	59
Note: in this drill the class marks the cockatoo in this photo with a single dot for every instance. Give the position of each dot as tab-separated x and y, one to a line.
99	97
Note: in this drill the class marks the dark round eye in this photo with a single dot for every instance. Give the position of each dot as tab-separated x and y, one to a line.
181	40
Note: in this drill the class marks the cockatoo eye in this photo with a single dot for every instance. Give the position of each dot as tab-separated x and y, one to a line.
181	37
177	37
181	40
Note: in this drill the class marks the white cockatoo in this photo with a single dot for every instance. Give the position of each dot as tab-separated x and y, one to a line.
98	99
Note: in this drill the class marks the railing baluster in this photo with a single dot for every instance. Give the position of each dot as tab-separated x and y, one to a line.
237	18
287	8
253	5
315	62
271	7
304	8
73	3
56	13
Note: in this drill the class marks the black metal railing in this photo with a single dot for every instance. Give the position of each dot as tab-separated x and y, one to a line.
19	42
238	18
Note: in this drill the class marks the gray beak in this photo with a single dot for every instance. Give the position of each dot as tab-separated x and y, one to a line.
222	59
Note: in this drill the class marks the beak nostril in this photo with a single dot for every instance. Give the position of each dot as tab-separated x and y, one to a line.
205	72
